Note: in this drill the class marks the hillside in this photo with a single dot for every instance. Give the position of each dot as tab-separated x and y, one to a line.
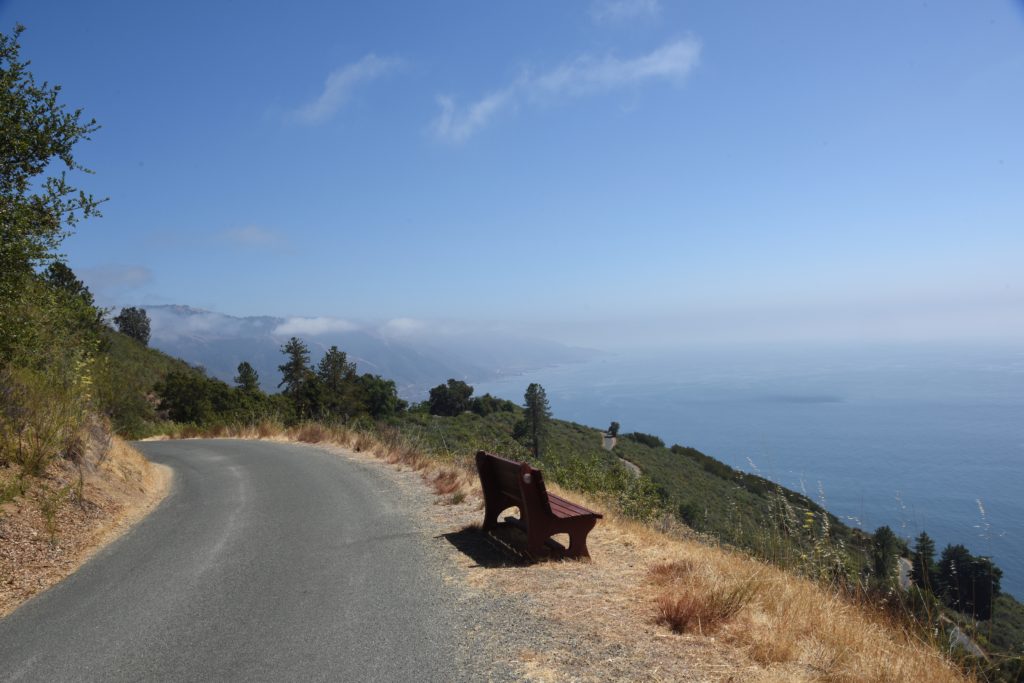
126	374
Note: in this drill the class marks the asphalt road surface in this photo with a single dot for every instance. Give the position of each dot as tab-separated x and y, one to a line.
265	562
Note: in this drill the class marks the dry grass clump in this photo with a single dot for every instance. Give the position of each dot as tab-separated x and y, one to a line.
697	600
362	442
446	482
798	622
267	429
310	432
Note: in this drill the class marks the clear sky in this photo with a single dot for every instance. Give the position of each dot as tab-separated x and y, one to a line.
615	171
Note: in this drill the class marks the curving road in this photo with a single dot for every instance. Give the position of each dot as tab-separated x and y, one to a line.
265	562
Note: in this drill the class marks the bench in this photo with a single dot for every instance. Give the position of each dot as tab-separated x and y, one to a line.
508	483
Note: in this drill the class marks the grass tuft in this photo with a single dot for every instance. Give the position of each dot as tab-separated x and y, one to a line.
698	600
311	432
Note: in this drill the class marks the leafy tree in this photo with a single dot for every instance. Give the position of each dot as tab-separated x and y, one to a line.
884	553
613	430
487	404
76	302
134	322
536	418
38	205
247	379
379	396
922	569
338	382
59	276
191	397
450	399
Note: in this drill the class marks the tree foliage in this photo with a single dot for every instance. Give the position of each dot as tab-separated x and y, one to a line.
537	414
967	583
487	404
37	203
134	322
450	399
922	566
247	378
884	553
649	440
339	384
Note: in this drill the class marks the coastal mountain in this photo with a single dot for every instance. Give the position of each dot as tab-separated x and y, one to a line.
416	355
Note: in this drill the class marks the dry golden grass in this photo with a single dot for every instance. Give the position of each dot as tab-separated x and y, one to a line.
310	432
61	519
694	600
660	604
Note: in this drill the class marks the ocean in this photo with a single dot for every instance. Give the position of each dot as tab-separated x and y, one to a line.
914	437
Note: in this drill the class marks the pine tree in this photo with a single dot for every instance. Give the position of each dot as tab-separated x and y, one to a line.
338	381
298	379
922	570
884	549
248	380
536	417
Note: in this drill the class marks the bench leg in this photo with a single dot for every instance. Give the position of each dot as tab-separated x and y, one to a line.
491	512
578	540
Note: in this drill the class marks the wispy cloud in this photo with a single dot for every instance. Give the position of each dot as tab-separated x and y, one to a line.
339	85
613	11
252	236
456	126
314	326
585	75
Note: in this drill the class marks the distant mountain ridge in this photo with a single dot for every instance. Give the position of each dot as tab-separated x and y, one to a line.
412	353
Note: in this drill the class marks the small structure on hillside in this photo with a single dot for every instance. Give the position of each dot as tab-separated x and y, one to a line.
608	438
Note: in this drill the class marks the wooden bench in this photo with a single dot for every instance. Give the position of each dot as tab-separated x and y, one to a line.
508	483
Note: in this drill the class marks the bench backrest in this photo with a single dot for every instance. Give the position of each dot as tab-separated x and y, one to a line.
513	480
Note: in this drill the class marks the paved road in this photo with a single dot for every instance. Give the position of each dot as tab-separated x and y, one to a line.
265	562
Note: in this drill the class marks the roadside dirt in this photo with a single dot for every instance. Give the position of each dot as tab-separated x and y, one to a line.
69	514
576	621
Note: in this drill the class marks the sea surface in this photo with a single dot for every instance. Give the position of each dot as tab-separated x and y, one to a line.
914	437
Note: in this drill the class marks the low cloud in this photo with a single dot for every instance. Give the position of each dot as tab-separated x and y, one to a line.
170	323
586	75
614	11
402	327
313	326
339	86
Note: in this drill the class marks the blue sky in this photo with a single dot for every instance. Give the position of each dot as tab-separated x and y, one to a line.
613	172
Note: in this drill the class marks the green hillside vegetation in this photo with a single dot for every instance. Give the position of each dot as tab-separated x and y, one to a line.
127	373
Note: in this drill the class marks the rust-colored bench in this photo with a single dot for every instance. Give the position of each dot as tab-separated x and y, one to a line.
508	483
